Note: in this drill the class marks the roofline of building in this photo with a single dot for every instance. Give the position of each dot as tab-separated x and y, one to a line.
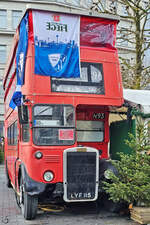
67	8
64	7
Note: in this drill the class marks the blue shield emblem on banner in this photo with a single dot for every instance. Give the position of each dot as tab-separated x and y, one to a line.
57	61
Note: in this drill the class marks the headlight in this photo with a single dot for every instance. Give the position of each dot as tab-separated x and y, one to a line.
48	176
107	174
38	155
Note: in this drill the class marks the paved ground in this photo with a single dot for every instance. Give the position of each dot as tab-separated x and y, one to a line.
10	213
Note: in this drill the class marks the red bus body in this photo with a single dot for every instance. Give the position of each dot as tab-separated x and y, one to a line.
88	111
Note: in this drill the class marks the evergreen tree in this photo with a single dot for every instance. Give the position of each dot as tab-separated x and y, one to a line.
132	183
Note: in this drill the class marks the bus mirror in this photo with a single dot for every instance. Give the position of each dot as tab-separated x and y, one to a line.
23	114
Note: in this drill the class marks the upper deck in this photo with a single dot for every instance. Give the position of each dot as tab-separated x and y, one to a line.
65	55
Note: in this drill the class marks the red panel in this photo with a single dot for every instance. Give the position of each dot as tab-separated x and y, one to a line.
31	35
97	32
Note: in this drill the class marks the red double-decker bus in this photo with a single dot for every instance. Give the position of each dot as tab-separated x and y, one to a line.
57	97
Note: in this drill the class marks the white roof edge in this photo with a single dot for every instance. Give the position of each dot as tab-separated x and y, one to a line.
138	97
60	7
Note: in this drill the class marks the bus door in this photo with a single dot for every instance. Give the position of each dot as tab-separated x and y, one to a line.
93	129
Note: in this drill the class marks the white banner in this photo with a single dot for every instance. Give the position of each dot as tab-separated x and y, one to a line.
56	39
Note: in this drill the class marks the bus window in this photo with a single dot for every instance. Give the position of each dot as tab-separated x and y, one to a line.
53	125
8	135
12	134
25	132
90	131
15	133
90	81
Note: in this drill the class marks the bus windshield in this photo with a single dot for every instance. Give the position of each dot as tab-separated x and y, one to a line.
53	124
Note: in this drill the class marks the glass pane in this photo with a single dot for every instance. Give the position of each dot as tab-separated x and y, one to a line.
1	73
83	76
91	80
53	115
8	135
90	131
124	10
1	128
90	125
2	53
1	89
78	89
96	74
43	110
3	19
90	136
52	125
25	132
53	136
15	133
16	16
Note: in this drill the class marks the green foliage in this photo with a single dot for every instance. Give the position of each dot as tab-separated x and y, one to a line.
140	142
132	183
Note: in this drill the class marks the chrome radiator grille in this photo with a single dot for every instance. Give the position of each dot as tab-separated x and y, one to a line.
80	174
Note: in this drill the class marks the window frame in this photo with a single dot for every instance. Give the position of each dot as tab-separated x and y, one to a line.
14	22
4	19
12	134
3	54
89	83
92	130
60	127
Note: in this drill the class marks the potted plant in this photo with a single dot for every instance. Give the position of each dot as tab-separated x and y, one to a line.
132	182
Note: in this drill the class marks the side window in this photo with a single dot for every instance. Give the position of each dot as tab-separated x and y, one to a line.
8	135
15	133
12	133
25	133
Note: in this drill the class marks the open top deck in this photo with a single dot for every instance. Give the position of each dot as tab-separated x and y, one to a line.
65	52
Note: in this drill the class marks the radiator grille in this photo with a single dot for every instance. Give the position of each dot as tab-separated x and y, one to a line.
52	158
81	175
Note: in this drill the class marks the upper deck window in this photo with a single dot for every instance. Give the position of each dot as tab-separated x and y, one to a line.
97	32
91	80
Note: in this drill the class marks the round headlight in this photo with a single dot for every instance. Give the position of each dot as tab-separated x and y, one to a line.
38	155
107	174
48	176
